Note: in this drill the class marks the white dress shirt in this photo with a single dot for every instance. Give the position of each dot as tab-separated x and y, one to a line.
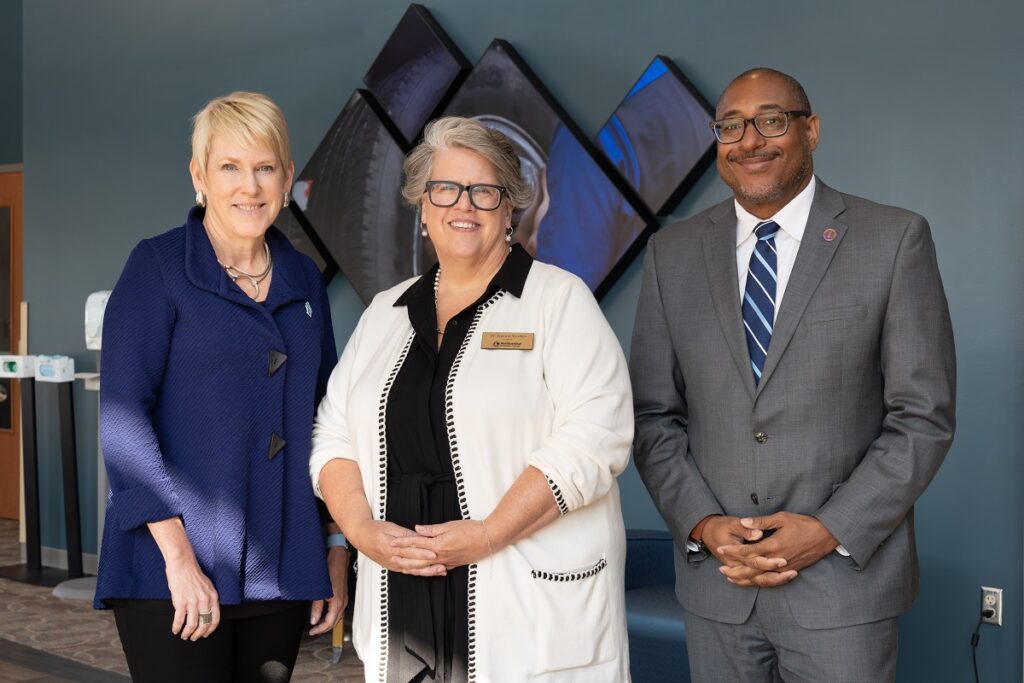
792	219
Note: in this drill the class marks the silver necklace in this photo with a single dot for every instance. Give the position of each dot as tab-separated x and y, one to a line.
235	273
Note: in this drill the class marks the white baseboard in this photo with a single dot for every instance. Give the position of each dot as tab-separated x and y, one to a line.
58	559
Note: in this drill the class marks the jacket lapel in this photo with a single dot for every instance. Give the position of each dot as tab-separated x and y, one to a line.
719	243
289	283
812	260
204	272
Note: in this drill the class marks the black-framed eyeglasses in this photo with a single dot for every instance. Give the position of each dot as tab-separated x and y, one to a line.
446	193
771	124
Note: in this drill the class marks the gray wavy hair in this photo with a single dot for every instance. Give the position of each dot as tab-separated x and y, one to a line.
464	133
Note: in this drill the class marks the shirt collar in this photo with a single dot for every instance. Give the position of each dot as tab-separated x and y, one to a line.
511	277
792	218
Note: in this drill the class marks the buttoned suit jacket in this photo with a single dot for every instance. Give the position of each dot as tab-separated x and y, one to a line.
855	408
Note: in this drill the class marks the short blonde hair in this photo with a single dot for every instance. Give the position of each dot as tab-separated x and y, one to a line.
460	132
249	118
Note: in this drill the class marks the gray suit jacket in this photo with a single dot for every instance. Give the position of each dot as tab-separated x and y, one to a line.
856	400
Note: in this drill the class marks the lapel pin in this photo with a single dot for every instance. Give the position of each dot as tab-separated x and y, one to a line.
829	234
309	310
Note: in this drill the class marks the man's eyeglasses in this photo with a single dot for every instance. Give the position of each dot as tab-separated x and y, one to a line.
445	193
770	125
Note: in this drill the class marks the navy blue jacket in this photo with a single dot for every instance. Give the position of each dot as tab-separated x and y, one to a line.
206	411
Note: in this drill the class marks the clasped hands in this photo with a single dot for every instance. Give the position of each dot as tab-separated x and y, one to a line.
749	557
425	550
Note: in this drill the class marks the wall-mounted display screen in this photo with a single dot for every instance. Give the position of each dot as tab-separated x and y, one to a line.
595	202
349	196
658	138
414	72
580	219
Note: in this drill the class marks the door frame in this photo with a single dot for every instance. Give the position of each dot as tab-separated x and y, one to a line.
18	337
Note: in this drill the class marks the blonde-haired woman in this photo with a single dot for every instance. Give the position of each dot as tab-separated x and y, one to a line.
469	442
217	345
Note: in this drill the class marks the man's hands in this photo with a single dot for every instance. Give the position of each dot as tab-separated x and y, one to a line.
798	542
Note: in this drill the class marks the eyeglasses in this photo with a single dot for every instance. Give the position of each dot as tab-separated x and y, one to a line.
770	125
446	193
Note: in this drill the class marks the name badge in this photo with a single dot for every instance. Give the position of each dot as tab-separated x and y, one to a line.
520	341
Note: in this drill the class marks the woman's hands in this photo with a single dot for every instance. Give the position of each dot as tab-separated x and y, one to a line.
337	567
432	549
449	545
192	594
375	539
526	507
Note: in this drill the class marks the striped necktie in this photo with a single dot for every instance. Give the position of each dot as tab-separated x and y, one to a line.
759	296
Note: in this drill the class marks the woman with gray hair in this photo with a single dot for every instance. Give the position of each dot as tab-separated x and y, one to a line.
469	443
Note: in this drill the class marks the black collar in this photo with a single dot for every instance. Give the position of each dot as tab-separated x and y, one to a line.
511	277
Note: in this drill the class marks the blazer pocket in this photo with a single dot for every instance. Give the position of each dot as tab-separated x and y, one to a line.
571	614
837	313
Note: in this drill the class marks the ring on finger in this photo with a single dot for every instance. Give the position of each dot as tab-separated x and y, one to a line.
206	618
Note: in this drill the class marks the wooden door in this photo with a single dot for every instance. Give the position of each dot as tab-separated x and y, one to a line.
10	333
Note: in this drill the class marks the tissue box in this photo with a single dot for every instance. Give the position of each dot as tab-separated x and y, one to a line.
55	369
17	366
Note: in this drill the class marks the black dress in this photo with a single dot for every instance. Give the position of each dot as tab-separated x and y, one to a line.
427	620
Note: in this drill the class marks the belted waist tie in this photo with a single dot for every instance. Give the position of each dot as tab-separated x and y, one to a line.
419	601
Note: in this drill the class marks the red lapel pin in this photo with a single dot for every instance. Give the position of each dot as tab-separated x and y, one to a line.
829	234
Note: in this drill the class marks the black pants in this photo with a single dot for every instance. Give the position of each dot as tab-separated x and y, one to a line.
258	648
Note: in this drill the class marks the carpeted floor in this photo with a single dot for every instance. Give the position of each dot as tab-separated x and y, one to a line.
30	616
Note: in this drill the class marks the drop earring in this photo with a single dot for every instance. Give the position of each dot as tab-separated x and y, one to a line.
287	199
200	198
423	224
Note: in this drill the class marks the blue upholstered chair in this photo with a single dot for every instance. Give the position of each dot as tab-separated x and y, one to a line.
654	618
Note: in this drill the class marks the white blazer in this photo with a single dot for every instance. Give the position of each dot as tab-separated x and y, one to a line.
550	607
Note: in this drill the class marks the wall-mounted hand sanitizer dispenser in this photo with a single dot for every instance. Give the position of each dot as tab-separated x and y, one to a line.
94	307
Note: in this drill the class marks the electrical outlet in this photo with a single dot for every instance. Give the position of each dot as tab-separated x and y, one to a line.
992	598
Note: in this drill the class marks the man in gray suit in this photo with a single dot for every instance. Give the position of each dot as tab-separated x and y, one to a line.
794	379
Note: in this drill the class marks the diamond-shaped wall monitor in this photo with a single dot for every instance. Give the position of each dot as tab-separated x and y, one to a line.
594	209
347	210
658	138
348	213
584	218
415	72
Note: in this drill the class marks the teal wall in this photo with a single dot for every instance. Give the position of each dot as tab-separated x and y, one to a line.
10	82
109	88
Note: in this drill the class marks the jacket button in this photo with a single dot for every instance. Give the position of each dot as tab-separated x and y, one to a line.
276	444
275	361
760	437
753	498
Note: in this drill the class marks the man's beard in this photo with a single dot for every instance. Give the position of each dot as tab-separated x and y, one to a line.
773	191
